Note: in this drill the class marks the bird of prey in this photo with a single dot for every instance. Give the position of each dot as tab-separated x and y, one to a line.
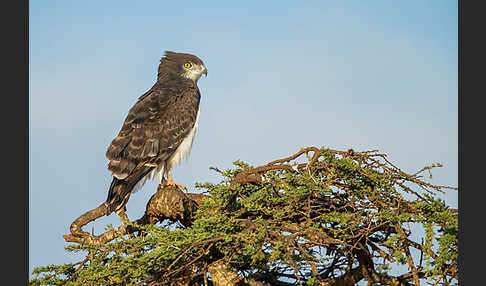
158	131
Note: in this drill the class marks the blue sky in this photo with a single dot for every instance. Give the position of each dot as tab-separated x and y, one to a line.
282	75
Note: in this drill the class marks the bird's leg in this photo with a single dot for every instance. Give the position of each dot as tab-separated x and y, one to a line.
173	183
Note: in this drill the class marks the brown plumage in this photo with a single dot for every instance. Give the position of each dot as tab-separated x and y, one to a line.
158	130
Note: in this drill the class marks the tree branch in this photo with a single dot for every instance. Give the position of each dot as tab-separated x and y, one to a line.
167	203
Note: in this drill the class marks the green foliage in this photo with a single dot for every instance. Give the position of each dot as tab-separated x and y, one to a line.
299	222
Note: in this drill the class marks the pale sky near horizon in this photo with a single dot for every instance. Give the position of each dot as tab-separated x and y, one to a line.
281	75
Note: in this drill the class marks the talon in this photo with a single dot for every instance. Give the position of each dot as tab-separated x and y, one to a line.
179	185
169	182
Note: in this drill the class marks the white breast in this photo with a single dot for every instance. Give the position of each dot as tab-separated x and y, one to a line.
185	148
181	152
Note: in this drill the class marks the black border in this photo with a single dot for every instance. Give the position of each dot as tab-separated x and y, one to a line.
460	64
15	141
470	143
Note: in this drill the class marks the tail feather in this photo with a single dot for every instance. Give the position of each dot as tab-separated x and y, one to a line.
120	190
117	195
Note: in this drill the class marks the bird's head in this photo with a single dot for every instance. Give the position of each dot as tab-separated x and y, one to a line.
180	64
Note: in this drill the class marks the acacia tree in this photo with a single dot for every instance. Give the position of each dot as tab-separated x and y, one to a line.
319	217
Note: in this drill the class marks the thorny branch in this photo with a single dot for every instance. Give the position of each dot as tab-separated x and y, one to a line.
367	234
167	203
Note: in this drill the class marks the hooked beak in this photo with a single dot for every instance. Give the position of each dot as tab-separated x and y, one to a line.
205	71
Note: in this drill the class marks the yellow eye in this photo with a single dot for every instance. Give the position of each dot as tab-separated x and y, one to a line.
188	65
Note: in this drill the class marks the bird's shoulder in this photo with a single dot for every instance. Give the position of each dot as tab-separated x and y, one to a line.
159	102
155	125
170	88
